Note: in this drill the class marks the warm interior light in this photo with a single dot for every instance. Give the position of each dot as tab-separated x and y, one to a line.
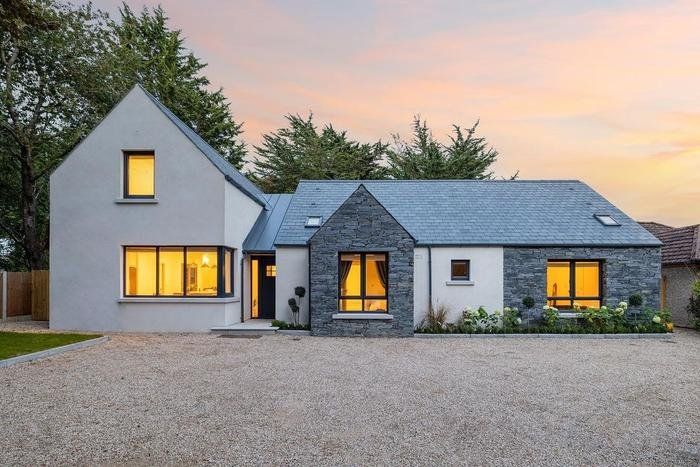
140	175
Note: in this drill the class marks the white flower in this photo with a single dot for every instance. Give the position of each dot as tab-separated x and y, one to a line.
518	320
656	319
623	305
603	308
506	309
497	313
546	307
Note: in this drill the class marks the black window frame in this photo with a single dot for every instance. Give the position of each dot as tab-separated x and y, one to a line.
134	152
572	298
220	273
460	278
363	293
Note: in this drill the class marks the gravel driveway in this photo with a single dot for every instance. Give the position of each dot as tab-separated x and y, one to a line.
152	399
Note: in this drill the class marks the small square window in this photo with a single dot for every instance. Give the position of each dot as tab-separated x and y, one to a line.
271	270
313	221
606	220
460	270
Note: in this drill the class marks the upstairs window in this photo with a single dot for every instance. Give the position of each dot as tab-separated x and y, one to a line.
363	282
139	174
460	270
572	282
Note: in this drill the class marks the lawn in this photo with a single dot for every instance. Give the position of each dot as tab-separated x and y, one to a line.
13	344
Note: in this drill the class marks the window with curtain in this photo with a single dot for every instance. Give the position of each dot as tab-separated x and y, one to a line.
177	271
572	282
363	282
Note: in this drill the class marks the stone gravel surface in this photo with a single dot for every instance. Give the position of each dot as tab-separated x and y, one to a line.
200	399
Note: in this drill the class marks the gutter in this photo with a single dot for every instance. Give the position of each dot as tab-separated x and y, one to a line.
242	288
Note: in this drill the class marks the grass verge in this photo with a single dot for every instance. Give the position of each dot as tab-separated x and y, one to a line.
13	344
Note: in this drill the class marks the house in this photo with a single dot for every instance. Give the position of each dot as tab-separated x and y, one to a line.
680	267
152	230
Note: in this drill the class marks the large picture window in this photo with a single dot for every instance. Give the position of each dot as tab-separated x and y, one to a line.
178	271
139	174
572	282
363	282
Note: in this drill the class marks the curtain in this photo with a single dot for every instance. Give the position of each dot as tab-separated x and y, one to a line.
344	272
382	272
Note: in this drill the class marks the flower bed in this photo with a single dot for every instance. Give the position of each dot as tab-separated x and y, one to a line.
603	320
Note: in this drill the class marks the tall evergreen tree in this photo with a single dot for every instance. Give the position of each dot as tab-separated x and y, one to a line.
147	51
62	67
300	151
51	61
467	156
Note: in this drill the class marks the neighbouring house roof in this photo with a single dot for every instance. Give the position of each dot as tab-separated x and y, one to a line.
475	212
232	175
655	228
680	244
262	236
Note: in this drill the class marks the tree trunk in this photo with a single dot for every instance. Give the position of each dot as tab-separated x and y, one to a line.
32	244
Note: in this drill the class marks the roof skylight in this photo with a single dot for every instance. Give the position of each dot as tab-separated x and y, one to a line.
313	221
607	220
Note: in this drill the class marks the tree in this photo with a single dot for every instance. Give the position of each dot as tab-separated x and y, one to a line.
301	152
465	157
147	51
62	67
50	62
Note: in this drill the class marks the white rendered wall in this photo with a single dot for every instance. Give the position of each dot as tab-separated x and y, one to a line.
486	278
88	228
292	270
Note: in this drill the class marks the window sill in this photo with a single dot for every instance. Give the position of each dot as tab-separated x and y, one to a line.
178	300
136	201
381	316
459	282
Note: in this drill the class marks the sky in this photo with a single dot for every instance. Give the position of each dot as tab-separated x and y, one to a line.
607	92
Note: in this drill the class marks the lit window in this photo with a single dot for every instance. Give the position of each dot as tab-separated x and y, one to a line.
201	271
606	220
574	282
139	175
460	270
228	272
363	282
170	269
140	271
313	221
271	270
177	271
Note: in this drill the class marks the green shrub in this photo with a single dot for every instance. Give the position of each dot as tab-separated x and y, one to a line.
694	306
435	320
285	325
550	316
528	302
636	300
511	320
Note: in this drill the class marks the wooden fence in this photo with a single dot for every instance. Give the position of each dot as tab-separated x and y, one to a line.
24	293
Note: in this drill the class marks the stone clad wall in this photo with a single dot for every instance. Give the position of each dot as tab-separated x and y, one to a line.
626	271
361	224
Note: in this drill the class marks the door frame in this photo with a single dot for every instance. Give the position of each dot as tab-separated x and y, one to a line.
250	274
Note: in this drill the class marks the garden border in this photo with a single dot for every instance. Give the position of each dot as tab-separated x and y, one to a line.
30	357
628	335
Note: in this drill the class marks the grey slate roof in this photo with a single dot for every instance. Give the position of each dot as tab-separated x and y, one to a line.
261	237
232	175
471	212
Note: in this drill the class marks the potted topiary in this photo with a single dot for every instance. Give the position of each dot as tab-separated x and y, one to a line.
635	302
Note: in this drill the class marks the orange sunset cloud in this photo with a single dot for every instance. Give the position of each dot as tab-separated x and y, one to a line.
606	93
